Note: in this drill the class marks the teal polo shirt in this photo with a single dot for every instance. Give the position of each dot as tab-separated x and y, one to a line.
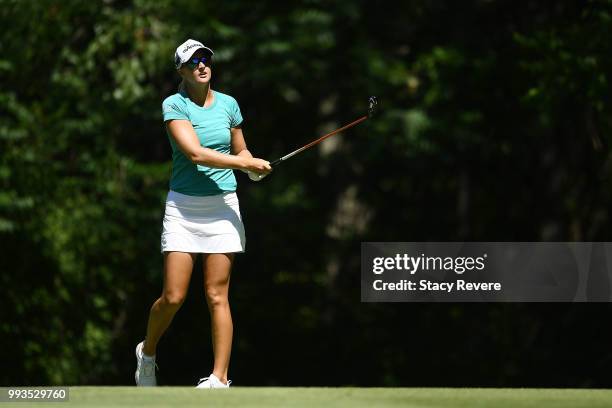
212	126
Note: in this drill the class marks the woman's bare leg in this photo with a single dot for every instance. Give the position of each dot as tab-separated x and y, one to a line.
177	274
217	268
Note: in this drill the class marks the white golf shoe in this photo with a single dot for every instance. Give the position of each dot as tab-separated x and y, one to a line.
212	382
145	369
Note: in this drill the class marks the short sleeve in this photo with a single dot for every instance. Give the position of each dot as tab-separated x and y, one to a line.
172	109
235	115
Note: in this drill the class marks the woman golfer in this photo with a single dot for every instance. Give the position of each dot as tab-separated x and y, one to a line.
202	215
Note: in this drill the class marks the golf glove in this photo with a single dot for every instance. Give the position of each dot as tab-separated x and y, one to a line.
256	176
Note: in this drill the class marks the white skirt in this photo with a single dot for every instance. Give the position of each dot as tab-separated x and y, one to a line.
209	224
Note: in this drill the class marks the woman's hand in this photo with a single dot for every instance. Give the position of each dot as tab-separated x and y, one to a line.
257	169
259	166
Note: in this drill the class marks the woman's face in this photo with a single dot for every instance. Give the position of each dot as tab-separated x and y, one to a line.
197	70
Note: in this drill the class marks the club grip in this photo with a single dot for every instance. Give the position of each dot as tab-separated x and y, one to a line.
276	162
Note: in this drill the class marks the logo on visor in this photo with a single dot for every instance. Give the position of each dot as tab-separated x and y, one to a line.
188	47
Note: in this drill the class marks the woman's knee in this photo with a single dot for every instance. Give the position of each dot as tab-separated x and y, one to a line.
216	295
172	299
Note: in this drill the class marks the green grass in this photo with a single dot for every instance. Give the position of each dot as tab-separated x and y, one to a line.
270	397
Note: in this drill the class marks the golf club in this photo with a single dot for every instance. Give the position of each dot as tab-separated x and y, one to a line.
372	106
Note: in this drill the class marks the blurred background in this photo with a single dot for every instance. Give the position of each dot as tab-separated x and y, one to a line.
494	125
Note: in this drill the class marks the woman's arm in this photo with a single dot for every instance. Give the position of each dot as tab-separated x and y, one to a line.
185	137
239	147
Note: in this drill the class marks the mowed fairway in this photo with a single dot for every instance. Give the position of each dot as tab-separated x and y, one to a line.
334	397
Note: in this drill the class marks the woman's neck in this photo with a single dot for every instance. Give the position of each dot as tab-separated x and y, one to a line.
200	95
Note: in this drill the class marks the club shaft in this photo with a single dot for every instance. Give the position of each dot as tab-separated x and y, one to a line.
319	140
